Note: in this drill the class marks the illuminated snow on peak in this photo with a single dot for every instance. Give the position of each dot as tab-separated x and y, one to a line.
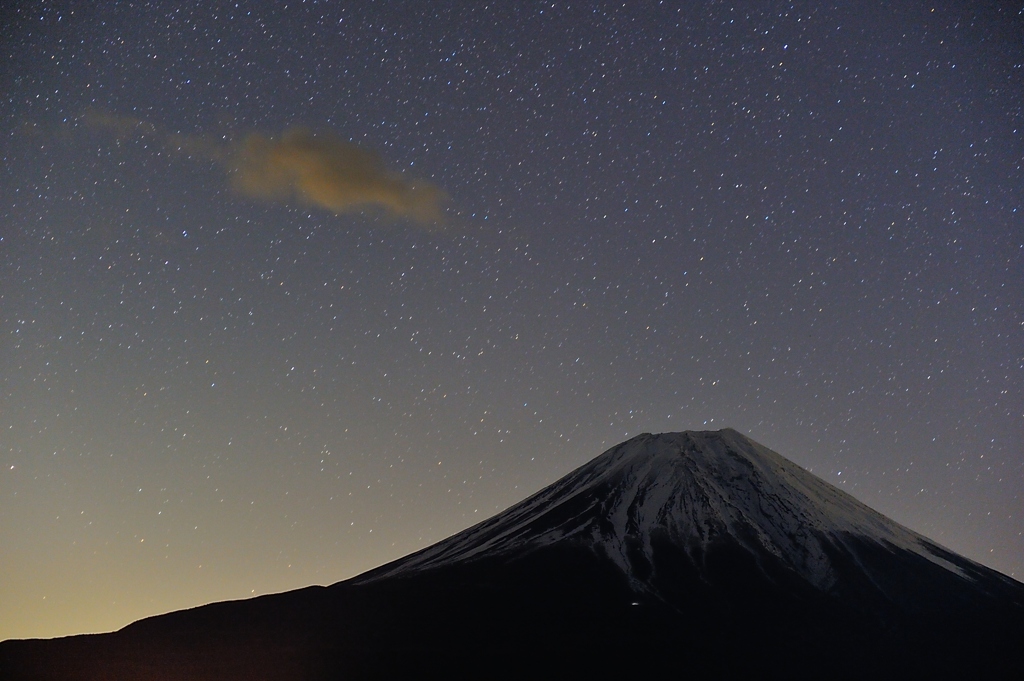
696	490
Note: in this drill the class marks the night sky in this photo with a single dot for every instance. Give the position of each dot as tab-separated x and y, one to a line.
291	290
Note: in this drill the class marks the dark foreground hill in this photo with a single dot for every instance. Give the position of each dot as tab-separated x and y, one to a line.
693	555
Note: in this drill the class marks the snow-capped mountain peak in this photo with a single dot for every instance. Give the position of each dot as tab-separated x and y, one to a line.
695	491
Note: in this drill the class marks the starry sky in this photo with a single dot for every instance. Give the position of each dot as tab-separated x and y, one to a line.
288	290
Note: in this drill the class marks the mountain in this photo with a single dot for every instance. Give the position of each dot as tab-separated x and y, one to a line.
696	554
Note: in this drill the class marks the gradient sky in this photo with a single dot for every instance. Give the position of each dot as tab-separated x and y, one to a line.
288	291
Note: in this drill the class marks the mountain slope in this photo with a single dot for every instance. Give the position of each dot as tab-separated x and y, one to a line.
694	490
700	553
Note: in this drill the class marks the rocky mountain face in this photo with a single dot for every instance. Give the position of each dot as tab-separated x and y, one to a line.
696	554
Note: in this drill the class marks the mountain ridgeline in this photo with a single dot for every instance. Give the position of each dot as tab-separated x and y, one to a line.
694	554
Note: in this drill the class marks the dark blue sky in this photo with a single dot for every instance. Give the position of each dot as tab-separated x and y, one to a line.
803	222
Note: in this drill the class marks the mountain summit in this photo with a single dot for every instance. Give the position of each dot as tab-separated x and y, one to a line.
658	498
700	554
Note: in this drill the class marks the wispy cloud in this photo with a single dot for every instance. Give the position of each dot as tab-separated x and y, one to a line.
316	169
327	172
122	127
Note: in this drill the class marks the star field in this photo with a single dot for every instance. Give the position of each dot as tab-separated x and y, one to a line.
230	366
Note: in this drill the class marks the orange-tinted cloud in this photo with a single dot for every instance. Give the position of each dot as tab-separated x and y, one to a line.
320	170
327	172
